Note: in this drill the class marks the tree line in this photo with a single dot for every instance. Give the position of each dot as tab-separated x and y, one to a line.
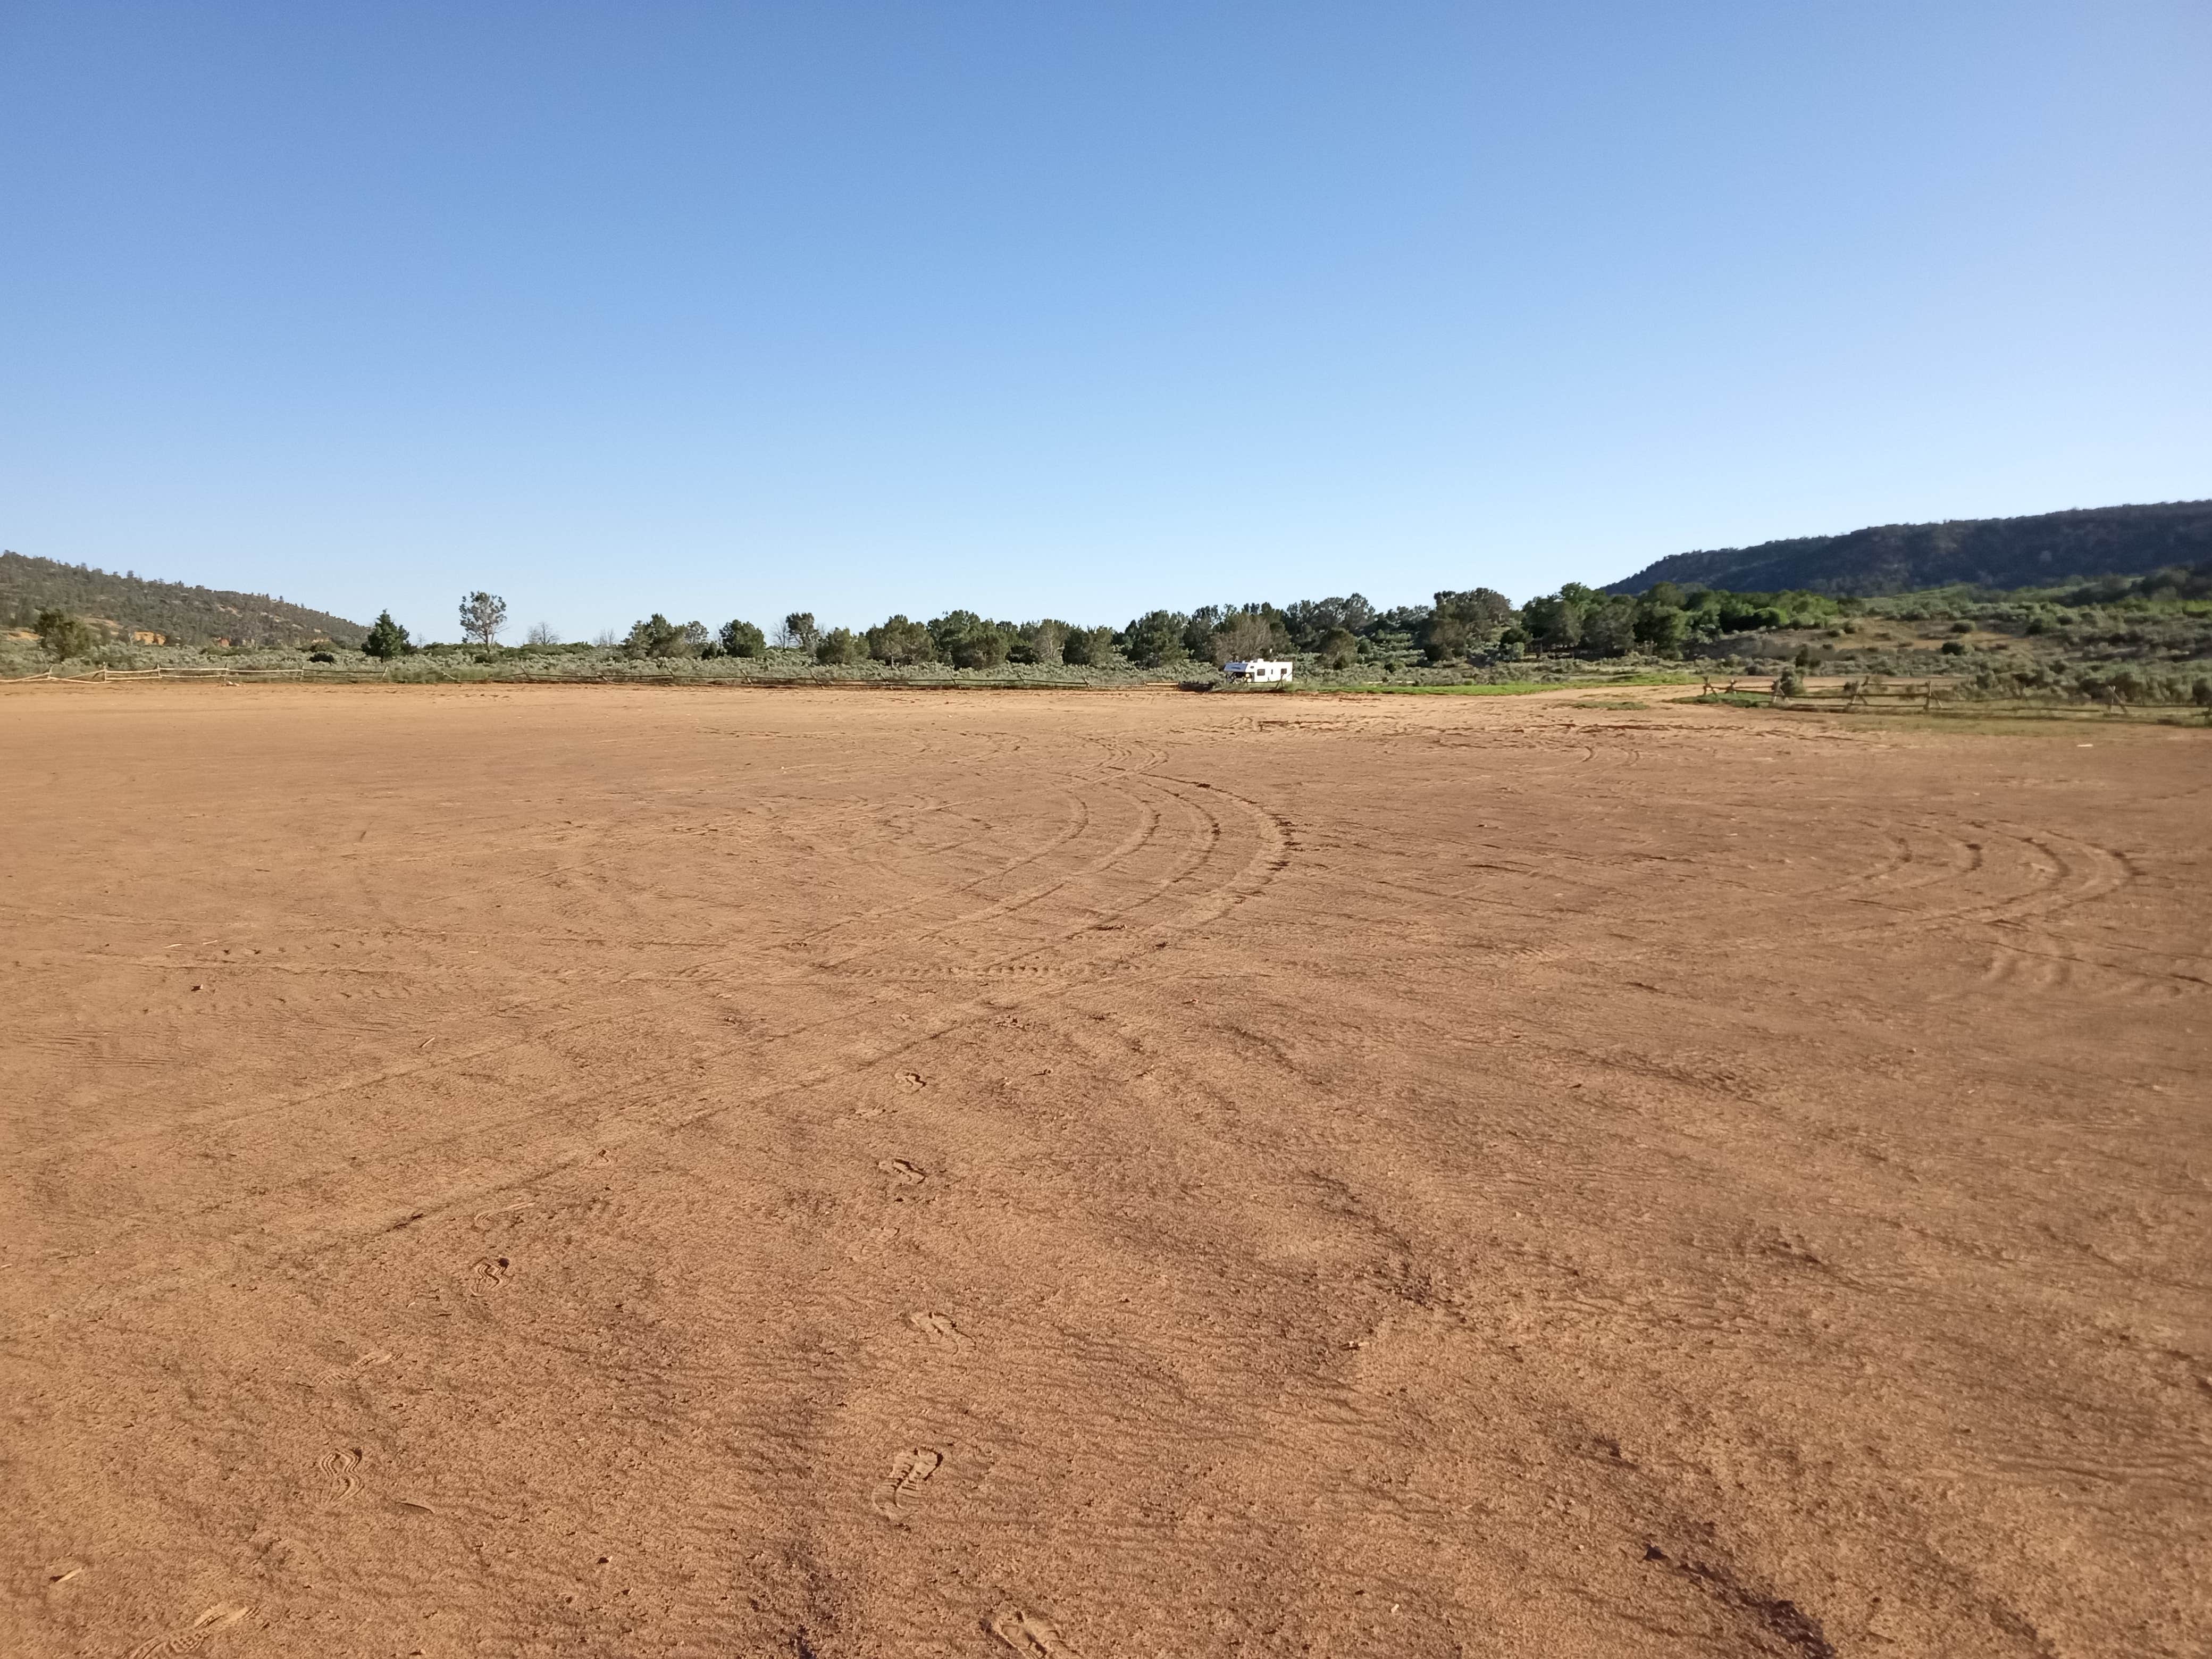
1478	625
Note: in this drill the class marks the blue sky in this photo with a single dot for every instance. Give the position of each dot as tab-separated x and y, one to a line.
728	310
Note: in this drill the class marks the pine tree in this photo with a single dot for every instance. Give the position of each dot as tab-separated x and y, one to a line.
387	640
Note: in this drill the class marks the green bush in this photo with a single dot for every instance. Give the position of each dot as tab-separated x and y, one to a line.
62	635
968	641
386	639
1155	639
1661	630
1088	647
1445	638
1044	642
1609	628
657	636
901	643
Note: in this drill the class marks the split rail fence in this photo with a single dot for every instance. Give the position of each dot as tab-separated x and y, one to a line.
1941	696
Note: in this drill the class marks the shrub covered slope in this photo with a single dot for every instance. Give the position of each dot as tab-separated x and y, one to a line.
1894	558
121	606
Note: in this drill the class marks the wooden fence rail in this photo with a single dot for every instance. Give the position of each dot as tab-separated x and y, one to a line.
1941	696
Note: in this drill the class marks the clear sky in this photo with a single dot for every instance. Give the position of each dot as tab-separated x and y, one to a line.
1065	309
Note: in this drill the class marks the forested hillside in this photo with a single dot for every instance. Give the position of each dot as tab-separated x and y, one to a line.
124	605
2040	551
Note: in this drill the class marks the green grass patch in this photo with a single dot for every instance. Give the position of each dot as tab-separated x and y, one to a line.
1500	688
1734	699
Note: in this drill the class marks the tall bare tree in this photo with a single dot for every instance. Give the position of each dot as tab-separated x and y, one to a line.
1243	637
483	615
1046	639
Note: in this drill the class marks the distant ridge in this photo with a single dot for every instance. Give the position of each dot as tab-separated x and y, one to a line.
180	615
1897	558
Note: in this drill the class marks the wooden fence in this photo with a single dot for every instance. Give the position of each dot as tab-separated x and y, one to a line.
1944	697
319	676
101	676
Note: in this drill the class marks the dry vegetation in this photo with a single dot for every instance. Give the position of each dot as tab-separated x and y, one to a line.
591	1170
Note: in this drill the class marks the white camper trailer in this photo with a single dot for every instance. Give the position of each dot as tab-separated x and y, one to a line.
1259	671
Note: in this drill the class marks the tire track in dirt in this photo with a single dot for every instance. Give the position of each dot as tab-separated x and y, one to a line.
1135	842
2065	971
1192	1442
1199	900
1202	835
1149	823
995	746
2064	873
1207	839
459	1150
614	1007
619	1006
1119	774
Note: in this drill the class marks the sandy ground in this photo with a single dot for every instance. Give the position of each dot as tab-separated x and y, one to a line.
535	1171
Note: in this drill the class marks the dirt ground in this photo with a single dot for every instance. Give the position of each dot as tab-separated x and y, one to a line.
581	1171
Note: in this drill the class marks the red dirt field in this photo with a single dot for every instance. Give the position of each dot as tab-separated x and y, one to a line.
504	1170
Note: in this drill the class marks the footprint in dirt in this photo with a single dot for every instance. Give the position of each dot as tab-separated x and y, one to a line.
1030	1633
938	1328
204	1629
910	1470
339	1466
906	1174
282	1554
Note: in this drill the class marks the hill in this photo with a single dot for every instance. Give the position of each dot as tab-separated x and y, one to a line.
2004	553
130	605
